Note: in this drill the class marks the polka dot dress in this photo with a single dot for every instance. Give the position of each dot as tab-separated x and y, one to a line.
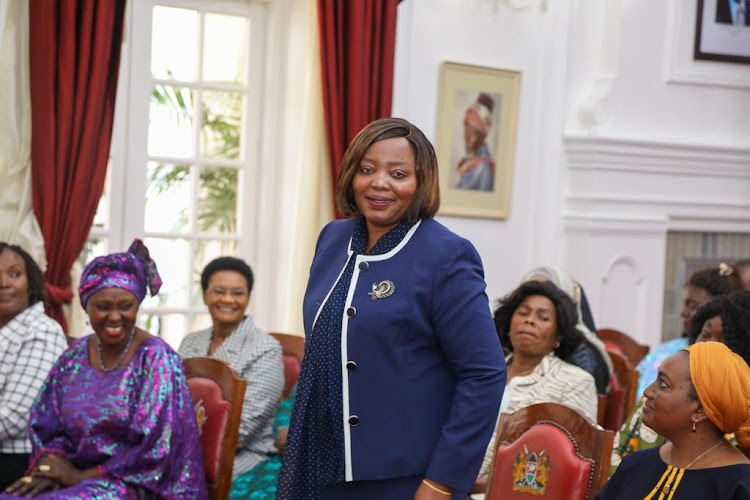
314	453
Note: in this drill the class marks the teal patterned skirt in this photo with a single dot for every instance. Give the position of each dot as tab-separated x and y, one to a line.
259	483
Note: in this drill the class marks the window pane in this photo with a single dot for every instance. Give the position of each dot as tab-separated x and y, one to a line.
174	43
221	132
168	198
170	327
171	257
94	247
201	322
217	200
226	49
101	217
206	251
171	122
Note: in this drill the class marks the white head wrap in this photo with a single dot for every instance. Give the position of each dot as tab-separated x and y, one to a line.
567	284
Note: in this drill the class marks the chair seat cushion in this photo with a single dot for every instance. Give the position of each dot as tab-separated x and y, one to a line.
207	393
541	464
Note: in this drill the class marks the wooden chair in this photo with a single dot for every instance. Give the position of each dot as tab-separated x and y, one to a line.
633	351
293	349
627	378
601	409
548	451
219	391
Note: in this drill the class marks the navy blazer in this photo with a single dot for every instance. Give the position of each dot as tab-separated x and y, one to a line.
423	372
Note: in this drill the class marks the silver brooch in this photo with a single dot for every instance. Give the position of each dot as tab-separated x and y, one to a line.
382	290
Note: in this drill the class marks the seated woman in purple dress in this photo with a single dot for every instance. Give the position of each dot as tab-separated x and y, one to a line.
114	418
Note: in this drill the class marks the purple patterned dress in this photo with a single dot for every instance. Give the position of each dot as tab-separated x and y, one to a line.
135	423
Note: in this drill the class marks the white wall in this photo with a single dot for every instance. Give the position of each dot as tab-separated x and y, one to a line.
621	138
491	34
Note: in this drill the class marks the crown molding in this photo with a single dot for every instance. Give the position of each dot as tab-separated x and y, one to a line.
651	157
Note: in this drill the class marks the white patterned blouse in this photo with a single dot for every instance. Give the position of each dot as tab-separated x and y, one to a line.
552	381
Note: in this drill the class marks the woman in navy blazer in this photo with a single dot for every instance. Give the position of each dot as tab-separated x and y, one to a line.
403	371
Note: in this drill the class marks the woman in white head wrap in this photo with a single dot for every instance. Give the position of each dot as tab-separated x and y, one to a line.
591	355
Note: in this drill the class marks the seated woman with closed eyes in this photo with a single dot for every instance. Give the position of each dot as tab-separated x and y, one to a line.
537	323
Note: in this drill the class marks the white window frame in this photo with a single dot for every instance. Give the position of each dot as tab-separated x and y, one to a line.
129	148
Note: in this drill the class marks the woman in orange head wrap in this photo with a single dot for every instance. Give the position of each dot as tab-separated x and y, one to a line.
701	394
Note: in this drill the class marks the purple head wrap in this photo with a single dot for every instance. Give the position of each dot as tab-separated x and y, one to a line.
132	271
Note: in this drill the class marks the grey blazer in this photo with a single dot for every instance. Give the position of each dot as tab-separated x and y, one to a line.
256	357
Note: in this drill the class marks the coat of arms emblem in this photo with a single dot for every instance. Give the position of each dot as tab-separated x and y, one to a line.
530	472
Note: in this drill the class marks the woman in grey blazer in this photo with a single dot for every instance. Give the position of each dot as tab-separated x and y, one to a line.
256	356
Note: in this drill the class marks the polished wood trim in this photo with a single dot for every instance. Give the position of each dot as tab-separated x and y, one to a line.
232	390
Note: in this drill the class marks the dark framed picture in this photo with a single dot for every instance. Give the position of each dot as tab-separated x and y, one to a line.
722	31
476	136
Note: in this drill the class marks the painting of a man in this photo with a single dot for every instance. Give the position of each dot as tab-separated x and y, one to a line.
476	170
736	12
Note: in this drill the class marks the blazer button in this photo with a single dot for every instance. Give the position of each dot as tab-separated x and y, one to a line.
364	266
351	366
353	420
351	312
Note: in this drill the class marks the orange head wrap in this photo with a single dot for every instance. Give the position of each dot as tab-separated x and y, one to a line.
722	381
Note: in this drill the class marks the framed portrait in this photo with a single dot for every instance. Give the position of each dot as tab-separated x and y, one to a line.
722	31
476	137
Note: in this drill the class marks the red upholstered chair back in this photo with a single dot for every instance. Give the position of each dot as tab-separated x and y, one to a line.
218	393
614	414
548	451
293	348
626	345
627	378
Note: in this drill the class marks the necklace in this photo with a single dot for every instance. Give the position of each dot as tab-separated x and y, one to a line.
668	486
699	456
131	336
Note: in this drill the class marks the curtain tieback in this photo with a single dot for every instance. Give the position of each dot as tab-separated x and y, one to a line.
59	295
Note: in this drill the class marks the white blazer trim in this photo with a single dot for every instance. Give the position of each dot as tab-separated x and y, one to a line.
348	474
349	253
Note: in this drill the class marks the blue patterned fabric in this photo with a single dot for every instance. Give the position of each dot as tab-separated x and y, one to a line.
314	454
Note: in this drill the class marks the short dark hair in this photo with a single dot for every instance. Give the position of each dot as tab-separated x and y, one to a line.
713	281
427	196
33	273
734	311
565	312
227	264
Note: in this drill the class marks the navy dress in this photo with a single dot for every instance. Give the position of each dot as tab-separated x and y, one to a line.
645	475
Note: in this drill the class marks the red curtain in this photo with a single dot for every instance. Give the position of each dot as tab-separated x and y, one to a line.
74	50
357	44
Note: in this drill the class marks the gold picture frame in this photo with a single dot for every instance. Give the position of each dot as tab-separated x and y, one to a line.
476	139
